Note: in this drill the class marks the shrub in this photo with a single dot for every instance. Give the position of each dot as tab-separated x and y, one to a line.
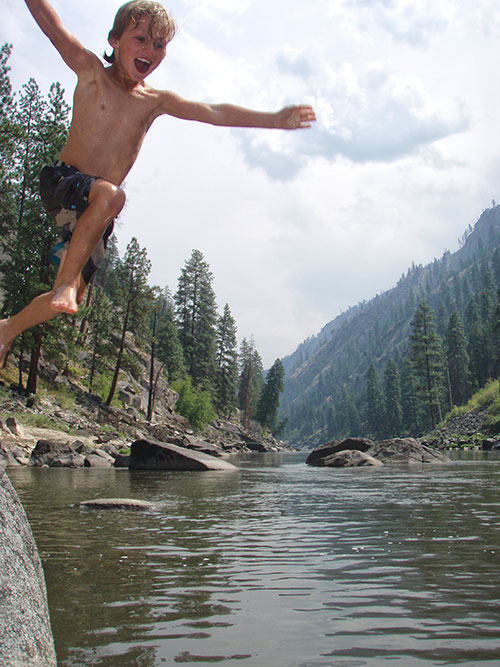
193	404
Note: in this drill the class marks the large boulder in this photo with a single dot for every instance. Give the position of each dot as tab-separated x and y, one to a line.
351	458
317	456
155	455
55	455
398	450
406	450
25	634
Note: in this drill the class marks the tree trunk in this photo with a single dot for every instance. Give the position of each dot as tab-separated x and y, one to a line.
35	358
119	359
151	371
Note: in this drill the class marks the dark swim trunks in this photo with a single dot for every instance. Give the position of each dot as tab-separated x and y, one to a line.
65	196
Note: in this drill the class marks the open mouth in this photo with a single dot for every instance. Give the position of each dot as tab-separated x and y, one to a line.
142	65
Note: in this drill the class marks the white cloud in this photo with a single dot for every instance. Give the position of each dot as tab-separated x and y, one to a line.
410	21
365	116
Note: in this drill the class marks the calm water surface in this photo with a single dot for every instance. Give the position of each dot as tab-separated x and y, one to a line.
275	565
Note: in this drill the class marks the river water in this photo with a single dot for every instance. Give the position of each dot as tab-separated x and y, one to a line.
277	564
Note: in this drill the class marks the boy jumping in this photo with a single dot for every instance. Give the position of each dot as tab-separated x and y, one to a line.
113	108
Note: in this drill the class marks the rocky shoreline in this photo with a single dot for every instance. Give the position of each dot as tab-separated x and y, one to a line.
96	435
468	431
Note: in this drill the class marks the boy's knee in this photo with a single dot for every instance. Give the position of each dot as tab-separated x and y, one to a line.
109	196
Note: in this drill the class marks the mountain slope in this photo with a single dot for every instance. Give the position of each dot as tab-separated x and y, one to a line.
330	368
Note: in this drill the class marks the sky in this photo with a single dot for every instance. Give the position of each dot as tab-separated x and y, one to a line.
299	226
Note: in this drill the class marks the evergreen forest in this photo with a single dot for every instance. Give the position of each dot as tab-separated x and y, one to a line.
188	341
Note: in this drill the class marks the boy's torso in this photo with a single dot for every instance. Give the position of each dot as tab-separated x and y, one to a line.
109	125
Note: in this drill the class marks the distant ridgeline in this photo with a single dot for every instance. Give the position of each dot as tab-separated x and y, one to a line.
396	364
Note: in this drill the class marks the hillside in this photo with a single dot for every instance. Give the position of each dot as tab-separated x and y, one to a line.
328	372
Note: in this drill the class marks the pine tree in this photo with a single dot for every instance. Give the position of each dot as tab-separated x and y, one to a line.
427	360
410	402
269	400
374	403
479	346
169	348
134	299
457	360
29	236
226	381
196	318
9	132
101	321
251	379
392	399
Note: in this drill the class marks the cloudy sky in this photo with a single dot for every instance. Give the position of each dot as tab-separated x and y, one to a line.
298	226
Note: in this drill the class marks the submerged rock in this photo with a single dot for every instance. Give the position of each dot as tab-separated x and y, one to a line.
117	504
155	455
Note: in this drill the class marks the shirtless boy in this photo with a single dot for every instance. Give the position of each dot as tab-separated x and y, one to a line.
113	108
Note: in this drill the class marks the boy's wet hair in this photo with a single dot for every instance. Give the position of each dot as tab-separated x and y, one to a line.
162	25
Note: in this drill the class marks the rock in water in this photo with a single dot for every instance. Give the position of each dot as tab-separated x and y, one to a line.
25	634
350	458
117	504
317	456
155	455
55	455
360	451
406	450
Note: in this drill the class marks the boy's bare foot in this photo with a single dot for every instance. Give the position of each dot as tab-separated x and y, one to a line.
64	300
4	342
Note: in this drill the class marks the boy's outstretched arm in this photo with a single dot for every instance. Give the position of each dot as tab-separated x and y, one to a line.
290	118
72	51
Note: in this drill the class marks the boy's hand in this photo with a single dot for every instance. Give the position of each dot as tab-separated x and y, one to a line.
297	117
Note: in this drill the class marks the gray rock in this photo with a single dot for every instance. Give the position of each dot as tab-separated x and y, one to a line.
55	455
7	457
397	450
155	455
201	446
25	634
350	458
117	504
110	449
96	460
358	444
14	427
122	461
406	450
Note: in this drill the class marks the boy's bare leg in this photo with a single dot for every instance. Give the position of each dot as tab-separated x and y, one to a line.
37	311
105	203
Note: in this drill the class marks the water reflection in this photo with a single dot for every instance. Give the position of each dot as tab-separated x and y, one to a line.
273	564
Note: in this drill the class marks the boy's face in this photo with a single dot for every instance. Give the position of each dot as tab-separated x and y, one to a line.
137	53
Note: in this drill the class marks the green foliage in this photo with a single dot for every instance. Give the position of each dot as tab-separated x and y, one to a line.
196	320
195	405
41	421
251	379
226	379
269	400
